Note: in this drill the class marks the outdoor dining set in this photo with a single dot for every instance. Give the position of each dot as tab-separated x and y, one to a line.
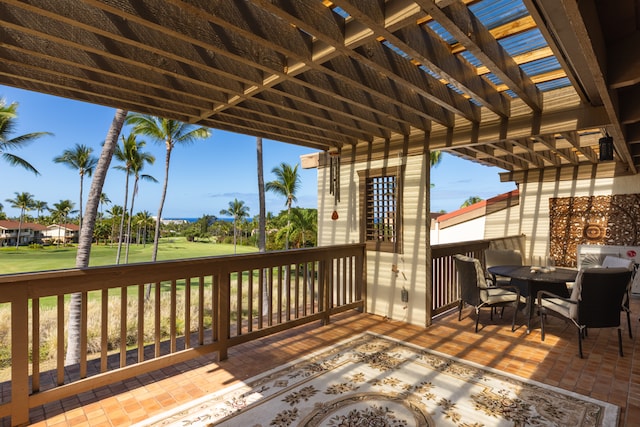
591	297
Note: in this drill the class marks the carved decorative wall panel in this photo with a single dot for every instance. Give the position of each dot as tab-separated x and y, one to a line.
592	220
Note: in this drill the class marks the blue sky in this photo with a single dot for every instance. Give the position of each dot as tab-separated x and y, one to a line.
204	176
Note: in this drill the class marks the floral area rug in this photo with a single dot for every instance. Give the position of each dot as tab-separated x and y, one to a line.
374	380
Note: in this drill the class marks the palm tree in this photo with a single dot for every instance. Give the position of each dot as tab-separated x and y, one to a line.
61	212
304	224
8	114
470	201
262	227
133	159
286	184
137	165
40	206
104	200
116	212
170	132
144	220
435	157
24	202
79	158
2	214
86	235
238	211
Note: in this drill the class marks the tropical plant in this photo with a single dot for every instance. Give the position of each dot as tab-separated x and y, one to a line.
3	215
115	213
435	157
143	220
286	184
86	234
79	158
134	161
40	206
171	133
470	201
238	211
23	201
104	200
304	226
8	115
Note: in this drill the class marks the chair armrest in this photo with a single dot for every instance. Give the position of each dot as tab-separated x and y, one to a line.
541	294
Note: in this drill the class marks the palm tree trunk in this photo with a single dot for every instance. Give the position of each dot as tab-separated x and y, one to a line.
86	235
19	229
133	196
80	208
156	236
124	211
262	226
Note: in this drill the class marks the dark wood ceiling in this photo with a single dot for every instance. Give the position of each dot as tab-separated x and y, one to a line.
521	85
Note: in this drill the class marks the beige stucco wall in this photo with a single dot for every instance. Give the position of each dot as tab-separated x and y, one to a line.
534	207
384	285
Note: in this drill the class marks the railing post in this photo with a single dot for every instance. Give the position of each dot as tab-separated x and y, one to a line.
323	289
20	358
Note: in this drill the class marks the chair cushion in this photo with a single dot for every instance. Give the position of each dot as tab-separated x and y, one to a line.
561	306
498	295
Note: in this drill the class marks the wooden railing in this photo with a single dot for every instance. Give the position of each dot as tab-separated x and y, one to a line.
445	289
151	315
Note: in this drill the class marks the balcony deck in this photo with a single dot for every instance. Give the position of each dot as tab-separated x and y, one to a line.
602	374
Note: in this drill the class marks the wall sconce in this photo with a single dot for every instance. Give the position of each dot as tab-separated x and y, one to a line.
606	148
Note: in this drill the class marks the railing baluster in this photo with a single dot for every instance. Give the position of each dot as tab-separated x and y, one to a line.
172	318
279	301
83	335
239	291
60	338
35	345
250	302
261	301
156	319
187	313
104	329
201	310
123	326
141	323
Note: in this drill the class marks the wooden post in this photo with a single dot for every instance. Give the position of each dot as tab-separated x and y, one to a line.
20	358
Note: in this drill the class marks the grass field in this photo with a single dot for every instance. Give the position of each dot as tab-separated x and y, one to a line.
24	259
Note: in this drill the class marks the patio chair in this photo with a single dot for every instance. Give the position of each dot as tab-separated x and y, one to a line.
613	261
595	302
475	290
493	257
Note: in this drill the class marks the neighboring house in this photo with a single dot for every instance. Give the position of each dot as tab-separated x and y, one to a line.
61	233
470	222
29	232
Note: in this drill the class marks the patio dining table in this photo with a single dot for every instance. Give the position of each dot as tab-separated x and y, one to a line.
531	279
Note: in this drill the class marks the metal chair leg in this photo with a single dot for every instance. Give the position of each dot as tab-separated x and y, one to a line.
580	342
620	342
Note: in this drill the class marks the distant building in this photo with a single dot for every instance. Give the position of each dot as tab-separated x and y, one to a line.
61	233
29	232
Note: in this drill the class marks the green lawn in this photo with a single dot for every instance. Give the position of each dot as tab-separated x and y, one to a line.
25	259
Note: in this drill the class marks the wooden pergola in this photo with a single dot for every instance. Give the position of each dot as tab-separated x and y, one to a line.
517	84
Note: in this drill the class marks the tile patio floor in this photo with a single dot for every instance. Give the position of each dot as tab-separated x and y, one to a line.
602	374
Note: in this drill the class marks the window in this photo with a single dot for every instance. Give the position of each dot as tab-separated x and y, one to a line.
380	208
